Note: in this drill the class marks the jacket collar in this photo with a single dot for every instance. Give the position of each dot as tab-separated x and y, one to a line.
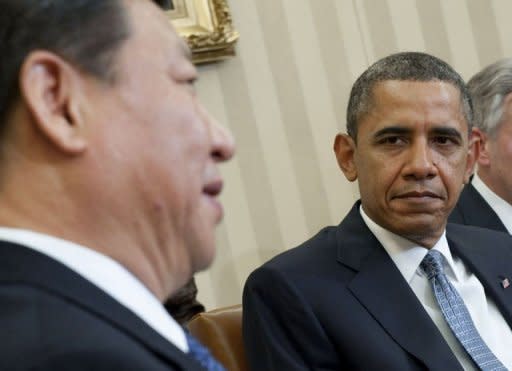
23	265
382	290
492	269
477	211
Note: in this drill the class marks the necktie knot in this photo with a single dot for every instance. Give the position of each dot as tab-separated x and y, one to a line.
432	264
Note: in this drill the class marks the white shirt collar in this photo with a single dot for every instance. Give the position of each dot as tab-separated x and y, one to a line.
501	207
108	275
406	254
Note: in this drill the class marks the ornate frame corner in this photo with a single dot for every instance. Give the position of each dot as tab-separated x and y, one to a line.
207	27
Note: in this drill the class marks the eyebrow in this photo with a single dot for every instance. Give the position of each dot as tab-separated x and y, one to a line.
400	130
447	132
392	130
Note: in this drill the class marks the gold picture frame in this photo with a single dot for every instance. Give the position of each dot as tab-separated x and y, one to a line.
207	27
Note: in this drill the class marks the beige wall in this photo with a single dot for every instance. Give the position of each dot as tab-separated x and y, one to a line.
284	99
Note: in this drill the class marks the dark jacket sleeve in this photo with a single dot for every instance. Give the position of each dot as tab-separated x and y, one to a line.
98	361
280	329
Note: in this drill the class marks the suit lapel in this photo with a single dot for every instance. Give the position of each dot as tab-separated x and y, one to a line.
132	325
490	268
23	265
381	289
477	211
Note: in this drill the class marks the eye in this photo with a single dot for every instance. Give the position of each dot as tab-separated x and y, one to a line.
392	140
444	140
189	84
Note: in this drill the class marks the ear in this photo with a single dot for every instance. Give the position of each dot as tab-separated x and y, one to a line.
484	159
344	148
476	141
51	90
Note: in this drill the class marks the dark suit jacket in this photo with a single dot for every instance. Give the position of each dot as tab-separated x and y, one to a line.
53	319
338	302
472	209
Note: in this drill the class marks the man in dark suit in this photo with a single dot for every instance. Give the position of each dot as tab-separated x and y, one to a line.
364	295
108	188
487	200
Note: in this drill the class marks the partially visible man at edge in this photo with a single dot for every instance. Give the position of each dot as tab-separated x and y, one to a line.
487	200
360	296
108	186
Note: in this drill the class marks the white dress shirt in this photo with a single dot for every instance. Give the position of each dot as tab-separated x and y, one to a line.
488	320
106	274
499	205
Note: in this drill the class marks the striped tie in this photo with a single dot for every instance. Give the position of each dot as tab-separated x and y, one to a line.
457	315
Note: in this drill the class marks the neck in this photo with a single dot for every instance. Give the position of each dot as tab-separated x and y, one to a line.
42	208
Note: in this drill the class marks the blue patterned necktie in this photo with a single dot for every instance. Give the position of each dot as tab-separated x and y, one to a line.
457	315
201	354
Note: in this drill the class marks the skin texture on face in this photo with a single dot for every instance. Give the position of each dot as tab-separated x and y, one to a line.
411	158
160	149
496	155
131	164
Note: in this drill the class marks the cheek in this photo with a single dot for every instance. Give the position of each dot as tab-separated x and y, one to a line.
507	150
499	150
385	171
376	176
452	162
452	172
189	125
182	139
500	158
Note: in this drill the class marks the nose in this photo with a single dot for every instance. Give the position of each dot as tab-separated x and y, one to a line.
223	143
420	163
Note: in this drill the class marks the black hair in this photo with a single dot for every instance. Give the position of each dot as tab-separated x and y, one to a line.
413	66
86	33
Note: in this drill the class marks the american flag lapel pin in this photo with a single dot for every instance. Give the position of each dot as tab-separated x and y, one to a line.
505	283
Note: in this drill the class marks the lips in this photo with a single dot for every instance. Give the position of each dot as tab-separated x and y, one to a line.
213	188
418	194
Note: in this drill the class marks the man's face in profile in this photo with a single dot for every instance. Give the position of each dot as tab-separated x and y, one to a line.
160	145
496	155
411	156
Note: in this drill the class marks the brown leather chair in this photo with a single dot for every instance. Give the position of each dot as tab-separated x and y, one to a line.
221	331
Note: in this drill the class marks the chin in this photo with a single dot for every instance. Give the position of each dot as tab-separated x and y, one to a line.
204	259
421	230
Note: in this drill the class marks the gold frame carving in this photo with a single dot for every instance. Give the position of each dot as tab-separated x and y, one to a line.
207	27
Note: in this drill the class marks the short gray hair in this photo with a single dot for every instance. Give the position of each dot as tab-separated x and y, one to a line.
406	66
488	89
